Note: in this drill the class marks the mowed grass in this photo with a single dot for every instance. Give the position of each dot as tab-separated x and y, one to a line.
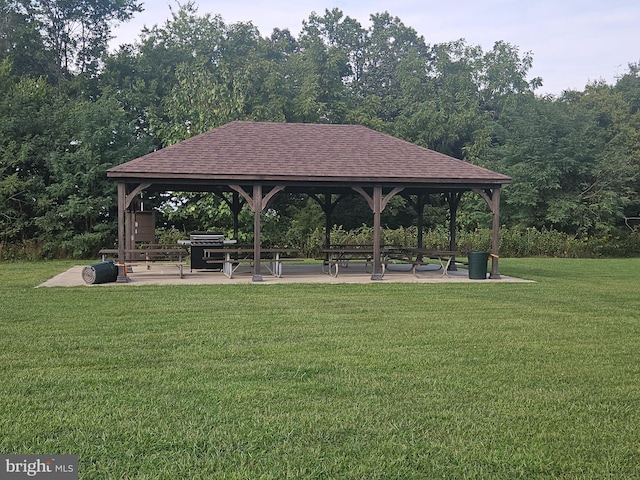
389	381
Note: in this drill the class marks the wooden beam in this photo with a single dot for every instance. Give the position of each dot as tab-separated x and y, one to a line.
134	192
244	194
251	200
267	198
486	195
384	199
365	195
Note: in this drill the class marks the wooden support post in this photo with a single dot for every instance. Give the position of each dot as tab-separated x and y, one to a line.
236	206
328	206
122	199
419	207
495	234
377	209
377	203
453	199
129	228
493	201
257	203
257	211
328	210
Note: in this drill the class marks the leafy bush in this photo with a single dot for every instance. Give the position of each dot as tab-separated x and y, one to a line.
29	250
170	236
532	242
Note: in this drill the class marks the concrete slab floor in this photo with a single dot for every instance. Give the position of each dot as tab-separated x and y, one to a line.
167	274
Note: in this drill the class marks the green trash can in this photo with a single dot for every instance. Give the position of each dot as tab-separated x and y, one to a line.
102	272
478	265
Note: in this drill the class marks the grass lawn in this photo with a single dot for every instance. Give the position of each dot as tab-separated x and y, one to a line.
388	381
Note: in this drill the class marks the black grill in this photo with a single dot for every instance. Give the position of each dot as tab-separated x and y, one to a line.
201	241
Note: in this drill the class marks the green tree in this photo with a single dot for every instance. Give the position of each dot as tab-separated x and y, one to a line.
440	98
572	159
627	140
76	32
24	126
79	207
21	43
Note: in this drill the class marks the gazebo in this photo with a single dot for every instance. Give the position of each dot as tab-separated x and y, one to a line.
254	161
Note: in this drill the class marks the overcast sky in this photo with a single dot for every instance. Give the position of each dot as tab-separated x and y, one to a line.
573	42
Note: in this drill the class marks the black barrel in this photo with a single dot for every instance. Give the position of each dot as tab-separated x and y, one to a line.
478	265
102	272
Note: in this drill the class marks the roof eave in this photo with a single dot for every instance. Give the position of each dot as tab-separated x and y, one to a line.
290	179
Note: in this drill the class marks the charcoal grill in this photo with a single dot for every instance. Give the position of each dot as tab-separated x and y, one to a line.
201	241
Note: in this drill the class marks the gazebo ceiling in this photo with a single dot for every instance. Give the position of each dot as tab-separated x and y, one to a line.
301	154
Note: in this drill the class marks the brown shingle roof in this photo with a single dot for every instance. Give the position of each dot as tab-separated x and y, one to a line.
302	152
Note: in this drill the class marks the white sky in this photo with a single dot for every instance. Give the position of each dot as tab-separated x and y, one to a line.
573	42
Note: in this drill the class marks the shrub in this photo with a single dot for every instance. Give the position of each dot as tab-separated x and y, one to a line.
26	250
170	236
515	241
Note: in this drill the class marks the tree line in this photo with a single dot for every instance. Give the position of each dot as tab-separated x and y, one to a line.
70	109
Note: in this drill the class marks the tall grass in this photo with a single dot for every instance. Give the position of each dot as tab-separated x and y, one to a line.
514	241
481	380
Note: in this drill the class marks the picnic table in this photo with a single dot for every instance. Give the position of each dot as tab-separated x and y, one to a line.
150	253
417	257
339	256
233	258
